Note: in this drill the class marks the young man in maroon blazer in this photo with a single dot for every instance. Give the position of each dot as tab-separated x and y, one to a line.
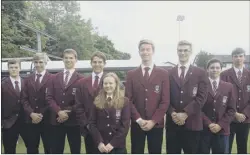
88	88
61	99
187	96
240	78
12	119
218	111
35	107
147	87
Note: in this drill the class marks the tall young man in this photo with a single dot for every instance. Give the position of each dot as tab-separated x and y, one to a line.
12	119
187	96
218	111
240	78
88	88
35	107
61	99
147	87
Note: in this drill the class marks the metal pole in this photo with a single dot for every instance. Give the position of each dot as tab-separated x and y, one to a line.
179	30
39	42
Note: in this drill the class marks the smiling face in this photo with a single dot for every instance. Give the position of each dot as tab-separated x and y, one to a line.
69	60
146	52
238	59
109	85
14	70
97	64
39	65
184	52
214	70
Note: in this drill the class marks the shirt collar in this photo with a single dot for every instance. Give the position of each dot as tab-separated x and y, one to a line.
237	69
186	65
99	75
217	80
111	96
42	73
71	71
150	66
13	80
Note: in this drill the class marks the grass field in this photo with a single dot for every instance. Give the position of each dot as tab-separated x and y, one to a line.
21	148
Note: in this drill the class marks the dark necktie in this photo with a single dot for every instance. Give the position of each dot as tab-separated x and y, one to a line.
66	78
38	76
239	76
182	74
214	87
146	74
95	86
17	89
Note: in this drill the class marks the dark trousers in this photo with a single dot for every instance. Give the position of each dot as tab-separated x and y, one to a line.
241	130
115	151
10	137
138	136
90	145
58	139
179	138
35	131
212	141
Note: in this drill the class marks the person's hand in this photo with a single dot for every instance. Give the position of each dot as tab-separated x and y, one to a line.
215	128
36	117
142	122
240	117
63	116
102	148
109	147
150	124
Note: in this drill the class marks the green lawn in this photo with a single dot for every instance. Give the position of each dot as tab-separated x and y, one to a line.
21	148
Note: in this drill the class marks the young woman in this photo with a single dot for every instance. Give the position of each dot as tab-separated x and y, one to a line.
110	117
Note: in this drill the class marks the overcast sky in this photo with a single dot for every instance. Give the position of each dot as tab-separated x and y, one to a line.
216	27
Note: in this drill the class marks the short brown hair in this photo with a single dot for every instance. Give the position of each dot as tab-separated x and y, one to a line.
70	51
146	41
184	42
237	51
14	61
213	60
99	55
40	56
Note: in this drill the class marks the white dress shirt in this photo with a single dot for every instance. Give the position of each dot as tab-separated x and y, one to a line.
187	65
150	69
71	71
93	77
13	82
42	73
217	82
237	70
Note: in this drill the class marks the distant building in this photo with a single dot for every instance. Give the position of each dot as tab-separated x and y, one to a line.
227	61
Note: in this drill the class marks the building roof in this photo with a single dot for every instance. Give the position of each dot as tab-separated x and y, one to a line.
228	58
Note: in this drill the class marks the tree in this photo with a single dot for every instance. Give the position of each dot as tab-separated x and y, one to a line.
202	58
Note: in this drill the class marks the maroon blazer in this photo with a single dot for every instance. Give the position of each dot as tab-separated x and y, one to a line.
84	99
242	92
11	109
189	98
110	125
34	100
220	109
149	100
63	98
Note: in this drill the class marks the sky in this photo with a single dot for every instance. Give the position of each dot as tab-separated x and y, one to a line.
216	27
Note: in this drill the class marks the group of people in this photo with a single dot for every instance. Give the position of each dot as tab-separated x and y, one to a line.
201	110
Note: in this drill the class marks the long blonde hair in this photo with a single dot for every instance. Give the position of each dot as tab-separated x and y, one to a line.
118	95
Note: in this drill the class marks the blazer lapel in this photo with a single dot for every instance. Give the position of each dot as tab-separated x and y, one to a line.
210	89
140	76
89	85
44	80
175	76
188	75
234	77
244	77
72	79
153	74
61	79
32	80
11	87
219	89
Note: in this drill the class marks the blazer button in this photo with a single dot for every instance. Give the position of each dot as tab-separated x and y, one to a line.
239	99
181	101
63	93
107	116
239	90
36	106
35	99
146	89
110	133
181	92
214	101
62	101
238	106
146	99
214	109
16	114
107	124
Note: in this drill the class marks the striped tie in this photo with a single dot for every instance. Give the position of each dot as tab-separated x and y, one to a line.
239	76
66	78
215	87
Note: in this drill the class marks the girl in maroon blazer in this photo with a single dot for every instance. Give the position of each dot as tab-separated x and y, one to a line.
110	117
